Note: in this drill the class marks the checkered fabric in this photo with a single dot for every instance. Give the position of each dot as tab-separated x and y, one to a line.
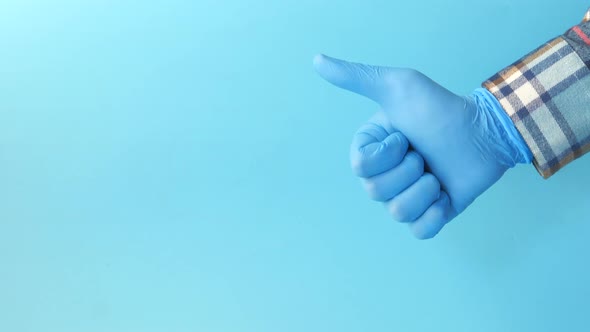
547	96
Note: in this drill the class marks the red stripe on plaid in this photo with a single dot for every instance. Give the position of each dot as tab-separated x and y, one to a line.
581	34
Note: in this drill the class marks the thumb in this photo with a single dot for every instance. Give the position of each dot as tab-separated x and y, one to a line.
366	80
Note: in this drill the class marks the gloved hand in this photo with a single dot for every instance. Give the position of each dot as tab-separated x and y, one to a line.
429	153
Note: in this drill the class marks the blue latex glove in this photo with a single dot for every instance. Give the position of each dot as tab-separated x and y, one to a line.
429	153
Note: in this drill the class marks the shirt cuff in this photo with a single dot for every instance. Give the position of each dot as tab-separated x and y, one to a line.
546	94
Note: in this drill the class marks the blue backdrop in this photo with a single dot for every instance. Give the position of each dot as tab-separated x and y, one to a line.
178	166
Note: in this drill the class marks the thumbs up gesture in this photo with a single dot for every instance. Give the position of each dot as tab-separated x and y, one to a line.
428	153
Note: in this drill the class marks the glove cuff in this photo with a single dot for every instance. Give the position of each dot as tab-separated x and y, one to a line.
485	99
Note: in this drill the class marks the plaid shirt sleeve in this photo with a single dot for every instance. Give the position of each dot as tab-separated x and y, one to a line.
547	96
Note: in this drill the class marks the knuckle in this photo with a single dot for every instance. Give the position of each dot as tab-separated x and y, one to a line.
398	212
395	143
423	234
411	74
372	130
358	165
439	210
405	81
374	190
431	180
438	213
390	142
415	160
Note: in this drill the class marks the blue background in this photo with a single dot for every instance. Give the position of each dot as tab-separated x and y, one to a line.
178	166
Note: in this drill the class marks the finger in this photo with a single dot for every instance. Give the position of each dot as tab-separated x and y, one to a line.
415	200
366	80
389	184
430	223
374	150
